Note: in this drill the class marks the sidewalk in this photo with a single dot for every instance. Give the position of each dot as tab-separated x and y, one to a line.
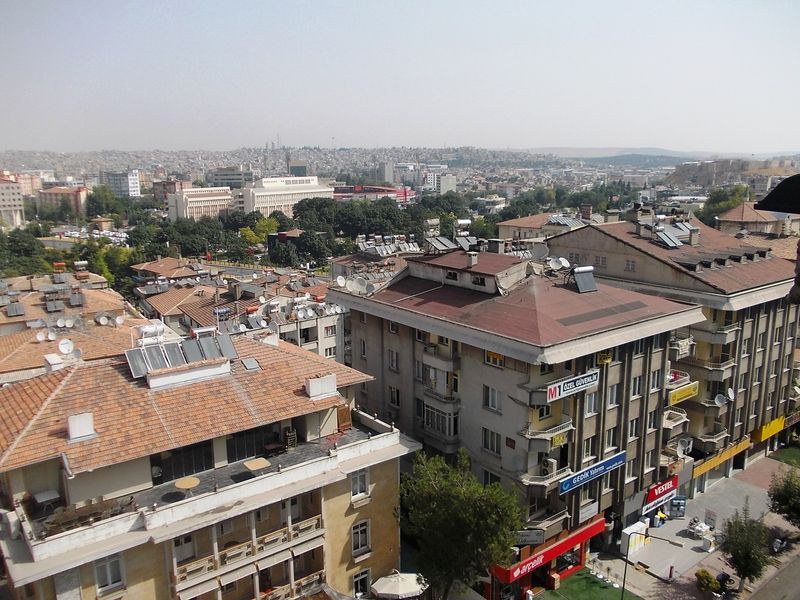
648	571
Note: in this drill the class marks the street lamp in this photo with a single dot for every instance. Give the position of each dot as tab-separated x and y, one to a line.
627	551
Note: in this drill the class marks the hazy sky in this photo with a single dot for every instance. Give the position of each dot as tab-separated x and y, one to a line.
718	76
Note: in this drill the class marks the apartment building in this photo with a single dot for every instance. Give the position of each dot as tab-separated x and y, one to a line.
282	193
124	184
213	468
743	358
12	207
193	203
162	188
554	384
52	198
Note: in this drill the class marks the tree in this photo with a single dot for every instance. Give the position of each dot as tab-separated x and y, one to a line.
706	582
312	247
284	255
445	507
784	496
721	200
249	236
284	222
744	540
103	201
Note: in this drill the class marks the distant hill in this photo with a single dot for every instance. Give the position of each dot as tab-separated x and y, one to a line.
576	152
635	160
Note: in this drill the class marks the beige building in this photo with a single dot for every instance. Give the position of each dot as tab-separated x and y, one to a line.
743	351
52	198
765	222
555	384
162	188
212	468
12	207
282	193
193	203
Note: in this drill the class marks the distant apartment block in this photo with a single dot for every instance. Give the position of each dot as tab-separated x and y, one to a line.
193	203
282	193
29	183
12	213
298	168
52	198
232	177
124	184
441	183
170	186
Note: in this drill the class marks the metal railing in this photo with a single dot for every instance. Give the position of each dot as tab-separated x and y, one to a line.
305	583
529	479
677	378
529	432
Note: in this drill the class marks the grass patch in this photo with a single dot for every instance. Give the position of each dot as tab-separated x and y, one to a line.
789	455
585	586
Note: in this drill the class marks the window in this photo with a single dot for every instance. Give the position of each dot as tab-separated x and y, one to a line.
108	573
633	428
330	330
778	334
606	481
330	352
443	341
229	587
613	395
224	527
762	338
493	358
545	369
360	538
611	438
359	485
394	359
588	447
451	275
489	478
632	469
184	548
544	411
658	342
574	258
638	346
741	380
652	419
590	403
600	262
394	396
491	398
739	414
441	422
630	265
362	316
454	378
776	366
655	380
363	348
757	375
477	280
422	336
418	370
361	583
636	386
393	328
650	460
491	441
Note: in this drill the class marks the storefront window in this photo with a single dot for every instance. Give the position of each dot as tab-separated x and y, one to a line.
568	560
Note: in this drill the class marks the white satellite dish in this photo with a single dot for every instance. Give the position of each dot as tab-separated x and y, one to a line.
720	400
60	323
262	300
70	323
242	327
273	327
731	394
254	276
119	320
65	346
683	446
554	263
361	285
51	335
301	314
340	281
40	336
350	285
564	263
102	320
371	288
328	309
339	309
263	323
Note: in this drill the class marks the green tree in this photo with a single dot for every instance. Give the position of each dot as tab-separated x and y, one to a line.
284	255
721	200
312	247
102	201
784	496
445	507
249	236
264	227
744	541
284	223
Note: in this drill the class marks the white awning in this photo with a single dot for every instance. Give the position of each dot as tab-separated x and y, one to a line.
237	574
199	589
279	557
306	546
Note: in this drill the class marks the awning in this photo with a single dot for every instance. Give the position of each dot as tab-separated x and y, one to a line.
265	563
199	589
306	546
237	574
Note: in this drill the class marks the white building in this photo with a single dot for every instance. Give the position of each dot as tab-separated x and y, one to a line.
12	209
193	203
282	193
124	184
441	183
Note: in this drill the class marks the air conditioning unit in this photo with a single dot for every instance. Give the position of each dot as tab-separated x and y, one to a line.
549	466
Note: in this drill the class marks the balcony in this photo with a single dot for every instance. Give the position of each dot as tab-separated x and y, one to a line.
718	368
712	441
545	439
442	397
676	379
309	582
680	348
545	481
674	416
715	333
547	518
310	345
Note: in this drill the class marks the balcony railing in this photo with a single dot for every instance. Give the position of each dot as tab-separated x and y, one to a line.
531	432
676	379
302	585
282	592
195	568
714	363
529	479
674	416
716	436
429	391
548	518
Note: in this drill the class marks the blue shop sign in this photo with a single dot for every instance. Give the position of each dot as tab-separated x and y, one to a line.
588	474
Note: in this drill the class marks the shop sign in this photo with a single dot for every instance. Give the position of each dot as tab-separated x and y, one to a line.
558	439
530	537
567	387
530	564
588	474
767	431
660	493
588	511
720	458
690	390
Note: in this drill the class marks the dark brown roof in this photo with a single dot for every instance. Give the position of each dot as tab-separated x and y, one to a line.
532	221
489	263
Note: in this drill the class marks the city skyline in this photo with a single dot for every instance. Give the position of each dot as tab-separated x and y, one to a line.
708	77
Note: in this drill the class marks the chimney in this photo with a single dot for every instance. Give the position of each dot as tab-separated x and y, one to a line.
694	236
472	259
638	228
216	295
496	246
52	363
586	211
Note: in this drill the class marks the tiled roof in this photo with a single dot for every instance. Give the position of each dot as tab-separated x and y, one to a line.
731	279
132	421
489	263
169	267
21	350
168	302
745	213
532	221
202	311
541	312
24	284
94	301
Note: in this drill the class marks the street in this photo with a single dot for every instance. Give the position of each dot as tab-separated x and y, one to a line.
783	586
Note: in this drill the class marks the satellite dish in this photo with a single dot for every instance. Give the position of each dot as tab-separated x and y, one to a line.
242	327
51	335
340	281
328	309
65	346
301	314
70	323
262	300
731	394
564	262
77	354
350	285
273	327
371	288
60	323
339	310
720	400
102	320
539	251
263	323
554	263
361	285
40	336
254	276
683	445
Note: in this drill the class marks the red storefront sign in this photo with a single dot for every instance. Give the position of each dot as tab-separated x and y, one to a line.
660	493
520	569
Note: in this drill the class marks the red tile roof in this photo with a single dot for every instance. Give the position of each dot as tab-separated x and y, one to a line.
745	213
531	221
489	263
132	421
169	302
94	301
